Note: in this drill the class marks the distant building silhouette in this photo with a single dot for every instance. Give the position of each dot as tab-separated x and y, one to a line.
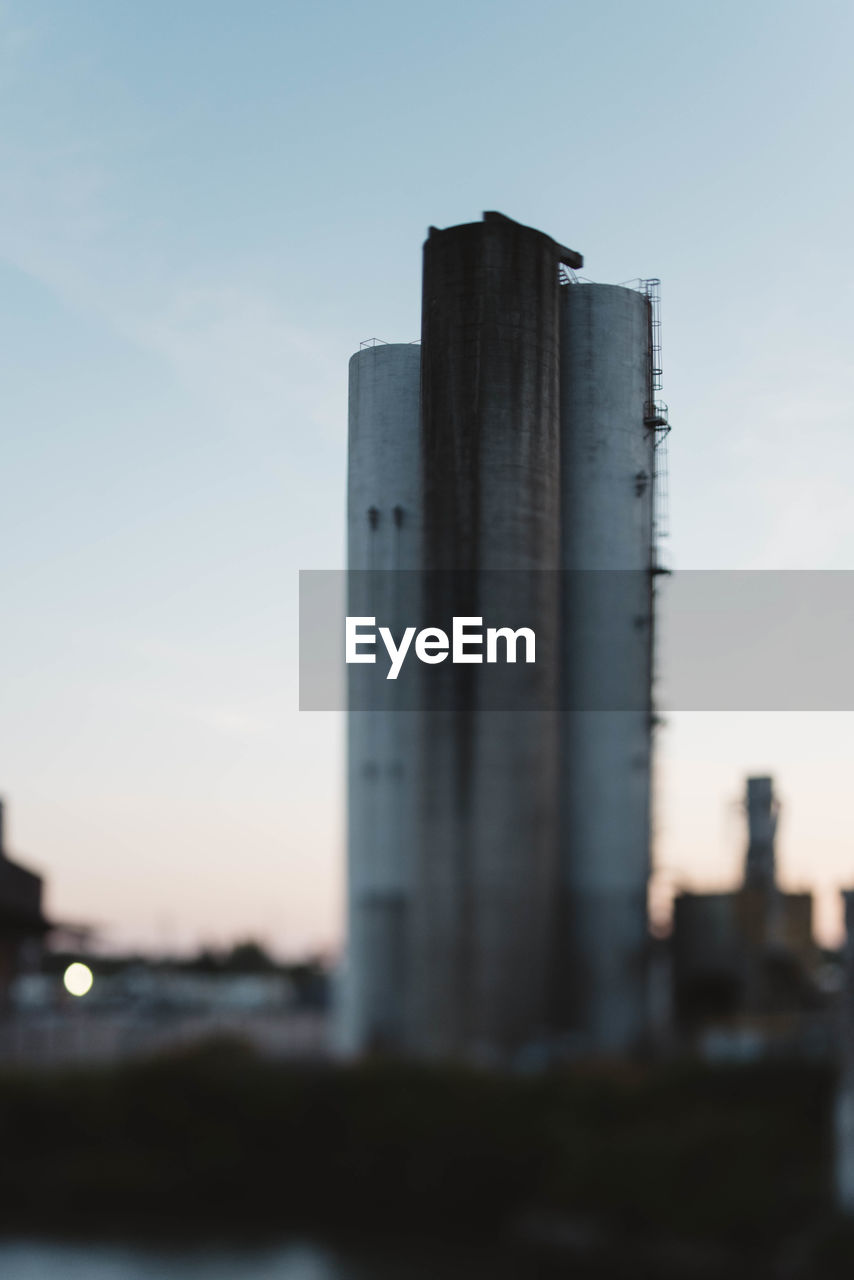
22	921
749	953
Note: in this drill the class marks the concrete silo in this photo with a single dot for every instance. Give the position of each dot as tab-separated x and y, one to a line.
498	859
608	430
490	457
384	538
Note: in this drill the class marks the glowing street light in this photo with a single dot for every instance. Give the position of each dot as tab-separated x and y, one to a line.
77	979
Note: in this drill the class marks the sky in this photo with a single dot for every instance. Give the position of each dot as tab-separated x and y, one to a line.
204	208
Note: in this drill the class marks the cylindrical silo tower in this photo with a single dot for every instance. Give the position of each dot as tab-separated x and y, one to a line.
499	858
607	468
491	480
384	538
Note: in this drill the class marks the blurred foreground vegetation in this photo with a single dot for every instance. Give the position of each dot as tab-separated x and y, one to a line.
710	1167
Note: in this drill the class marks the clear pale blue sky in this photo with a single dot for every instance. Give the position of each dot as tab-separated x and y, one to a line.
204	206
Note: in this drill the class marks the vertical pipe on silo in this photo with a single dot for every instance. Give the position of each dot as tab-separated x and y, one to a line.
607	487
384	537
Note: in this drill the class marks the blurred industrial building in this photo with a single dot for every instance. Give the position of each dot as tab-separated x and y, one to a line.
748	977
22	922
499	859
136	1005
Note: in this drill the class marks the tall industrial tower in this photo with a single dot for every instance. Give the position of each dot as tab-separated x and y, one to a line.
760	868
498	861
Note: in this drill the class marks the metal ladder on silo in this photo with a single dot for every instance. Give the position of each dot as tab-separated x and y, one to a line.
655	417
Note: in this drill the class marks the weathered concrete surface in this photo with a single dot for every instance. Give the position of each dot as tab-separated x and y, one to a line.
607	461
384	535
490	464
